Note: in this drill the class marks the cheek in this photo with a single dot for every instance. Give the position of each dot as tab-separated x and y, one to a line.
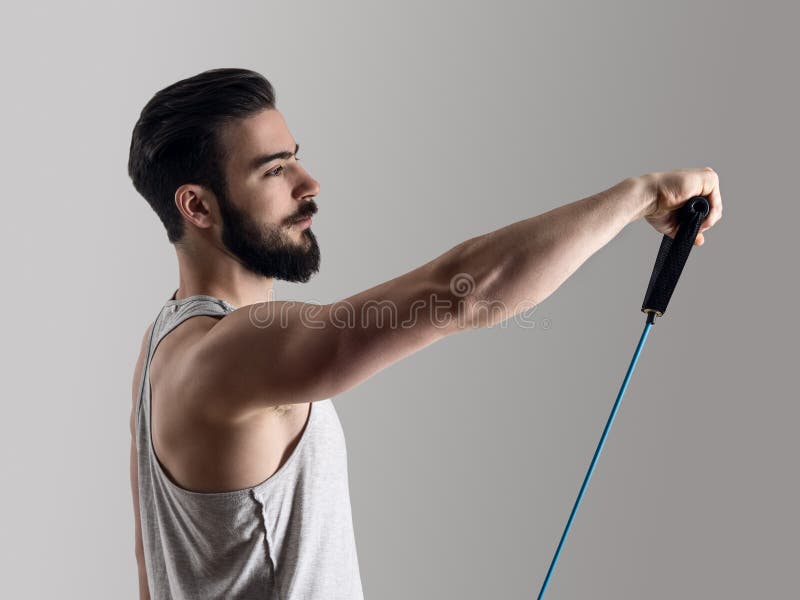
279	211
259	200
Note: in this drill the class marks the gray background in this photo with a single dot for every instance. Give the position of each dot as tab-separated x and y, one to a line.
427	123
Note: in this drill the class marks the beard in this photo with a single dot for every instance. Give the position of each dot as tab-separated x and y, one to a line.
268	250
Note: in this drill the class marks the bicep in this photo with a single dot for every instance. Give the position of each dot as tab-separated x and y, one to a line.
285	352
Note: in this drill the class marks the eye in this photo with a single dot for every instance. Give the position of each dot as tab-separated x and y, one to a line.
278	170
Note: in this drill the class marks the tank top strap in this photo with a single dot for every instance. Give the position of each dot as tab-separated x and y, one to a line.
175	312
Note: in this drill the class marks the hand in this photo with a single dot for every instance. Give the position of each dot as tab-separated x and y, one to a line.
666	192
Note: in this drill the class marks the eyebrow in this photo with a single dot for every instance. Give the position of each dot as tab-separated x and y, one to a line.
259	161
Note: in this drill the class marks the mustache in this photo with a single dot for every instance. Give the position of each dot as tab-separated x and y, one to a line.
311	210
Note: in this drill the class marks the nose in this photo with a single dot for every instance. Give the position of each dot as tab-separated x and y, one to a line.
314	189
307	185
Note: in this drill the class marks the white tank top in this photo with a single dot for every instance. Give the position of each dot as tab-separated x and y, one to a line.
289	537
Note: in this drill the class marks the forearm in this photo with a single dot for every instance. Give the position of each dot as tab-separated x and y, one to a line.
519	265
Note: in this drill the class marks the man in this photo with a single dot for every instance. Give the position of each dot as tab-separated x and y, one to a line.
238	460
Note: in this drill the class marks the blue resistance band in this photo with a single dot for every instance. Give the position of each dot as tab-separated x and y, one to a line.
672	256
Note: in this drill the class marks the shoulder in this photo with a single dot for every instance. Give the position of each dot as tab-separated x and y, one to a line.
171	359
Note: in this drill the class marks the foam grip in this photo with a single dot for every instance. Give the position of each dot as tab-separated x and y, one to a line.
672	256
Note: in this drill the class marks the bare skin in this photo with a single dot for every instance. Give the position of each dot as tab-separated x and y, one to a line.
231	396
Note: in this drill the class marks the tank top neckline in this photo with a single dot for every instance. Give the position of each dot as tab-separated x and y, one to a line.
173	302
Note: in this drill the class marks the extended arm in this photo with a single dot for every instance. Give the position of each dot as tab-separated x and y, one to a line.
518	266
285	352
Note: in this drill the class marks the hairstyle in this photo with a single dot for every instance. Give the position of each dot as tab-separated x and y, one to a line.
176	139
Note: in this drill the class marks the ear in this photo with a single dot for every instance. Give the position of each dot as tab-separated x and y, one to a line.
197	204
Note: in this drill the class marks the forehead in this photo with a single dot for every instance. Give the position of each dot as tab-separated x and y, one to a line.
265	132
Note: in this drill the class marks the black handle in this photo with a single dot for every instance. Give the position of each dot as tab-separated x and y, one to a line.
672	255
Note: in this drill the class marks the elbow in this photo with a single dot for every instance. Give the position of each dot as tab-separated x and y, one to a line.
472	286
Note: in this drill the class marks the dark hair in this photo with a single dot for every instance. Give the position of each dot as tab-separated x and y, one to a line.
176	139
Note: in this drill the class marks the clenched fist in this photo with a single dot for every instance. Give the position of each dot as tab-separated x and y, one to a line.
666	192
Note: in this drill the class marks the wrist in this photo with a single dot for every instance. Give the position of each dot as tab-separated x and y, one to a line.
639	191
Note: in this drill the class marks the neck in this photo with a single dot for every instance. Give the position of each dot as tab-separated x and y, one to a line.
221	276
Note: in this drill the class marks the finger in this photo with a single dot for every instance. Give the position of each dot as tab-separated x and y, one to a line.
712	192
